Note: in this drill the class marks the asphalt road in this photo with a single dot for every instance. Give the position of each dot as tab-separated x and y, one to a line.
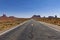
31	30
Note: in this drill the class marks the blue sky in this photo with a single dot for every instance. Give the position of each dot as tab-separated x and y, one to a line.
27	8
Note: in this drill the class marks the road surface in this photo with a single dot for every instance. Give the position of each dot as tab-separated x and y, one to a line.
31	30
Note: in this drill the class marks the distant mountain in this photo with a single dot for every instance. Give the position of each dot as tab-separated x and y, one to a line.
36	16
5	18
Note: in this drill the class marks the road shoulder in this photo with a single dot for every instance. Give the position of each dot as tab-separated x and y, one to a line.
55	27
3	32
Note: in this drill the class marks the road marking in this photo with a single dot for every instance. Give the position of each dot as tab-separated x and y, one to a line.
13	28
32	24
52	26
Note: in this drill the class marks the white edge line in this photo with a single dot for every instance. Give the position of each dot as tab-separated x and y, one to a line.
50	27
12	28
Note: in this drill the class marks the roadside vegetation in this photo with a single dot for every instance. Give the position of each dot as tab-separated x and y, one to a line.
9	23
55	21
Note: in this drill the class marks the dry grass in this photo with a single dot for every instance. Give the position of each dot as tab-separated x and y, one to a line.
55	21
9	23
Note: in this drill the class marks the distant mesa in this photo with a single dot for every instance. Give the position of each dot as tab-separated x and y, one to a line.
55	16
12	17
4	17
36	16
52	16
